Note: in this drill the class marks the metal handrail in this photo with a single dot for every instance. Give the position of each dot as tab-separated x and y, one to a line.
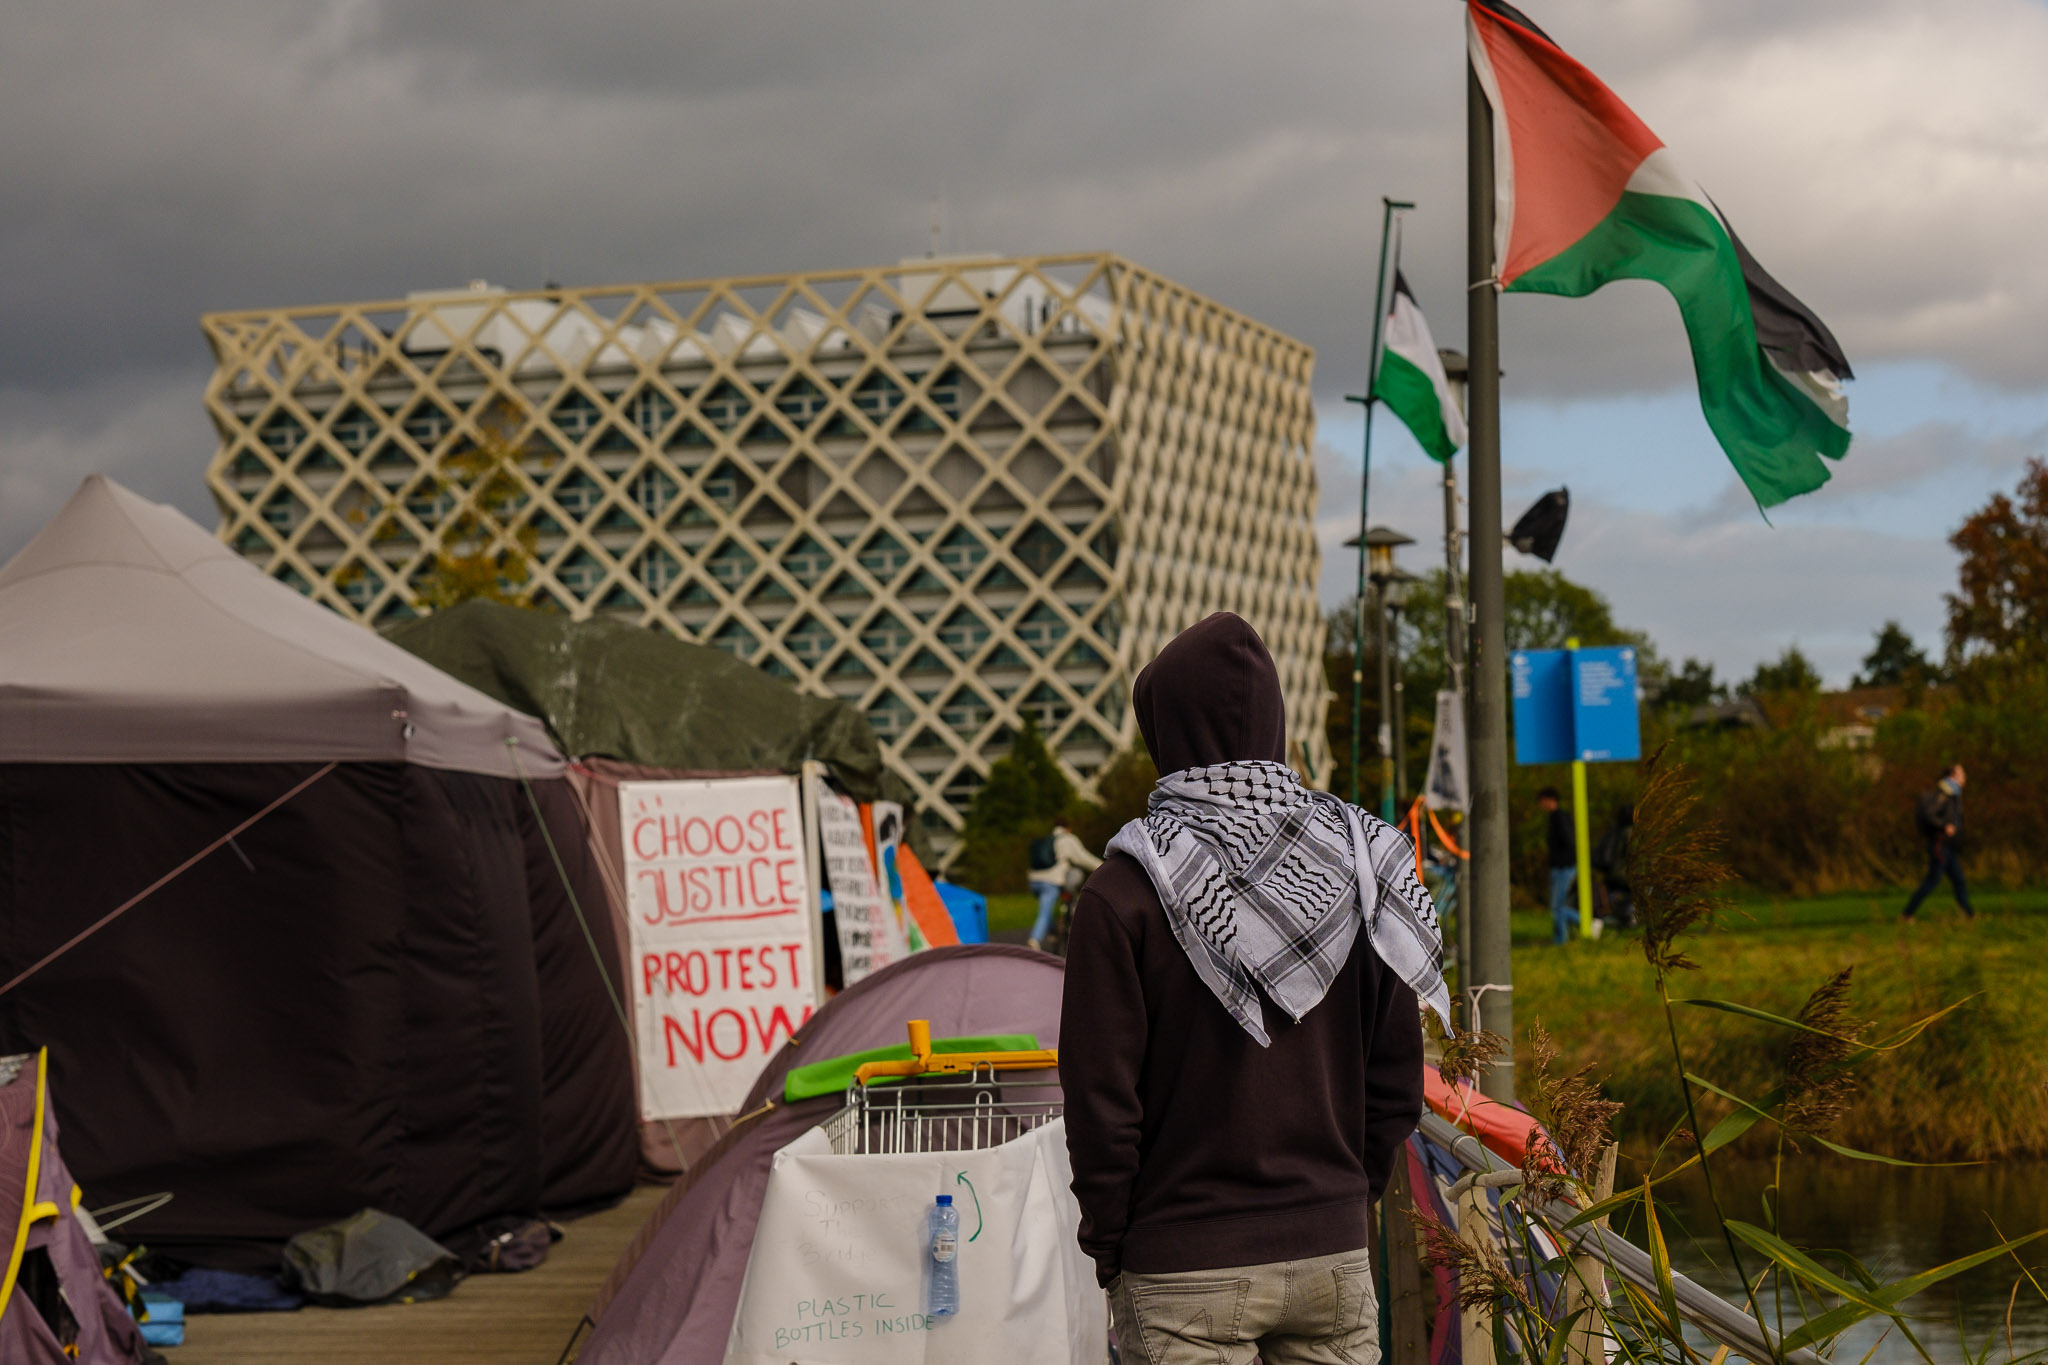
1704	1309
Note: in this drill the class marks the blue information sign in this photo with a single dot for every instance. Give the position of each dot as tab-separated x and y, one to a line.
1575	704
1603	701
1542	682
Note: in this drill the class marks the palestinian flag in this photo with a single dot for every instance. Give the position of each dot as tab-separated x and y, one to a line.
1411	380
1585	193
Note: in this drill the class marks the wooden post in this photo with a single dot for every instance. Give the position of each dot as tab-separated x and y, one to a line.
1587	1284
1475	1324
1408	1338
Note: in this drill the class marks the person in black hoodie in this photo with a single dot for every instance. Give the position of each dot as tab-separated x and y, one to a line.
1242	1052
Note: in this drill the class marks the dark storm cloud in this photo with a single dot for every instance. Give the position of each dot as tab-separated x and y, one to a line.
163	160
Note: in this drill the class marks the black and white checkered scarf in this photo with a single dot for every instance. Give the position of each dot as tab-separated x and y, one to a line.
1259	877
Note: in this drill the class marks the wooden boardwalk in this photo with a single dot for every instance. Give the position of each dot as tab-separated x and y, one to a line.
495	1318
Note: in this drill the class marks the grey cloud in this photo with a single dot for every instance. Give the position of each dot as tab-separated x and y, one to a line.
144	430
162	161
234	154
1740	592
1885	465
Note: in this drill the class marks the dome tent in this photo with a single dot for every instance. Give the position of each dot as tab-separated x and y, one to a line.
670	1300
378	994
55	1305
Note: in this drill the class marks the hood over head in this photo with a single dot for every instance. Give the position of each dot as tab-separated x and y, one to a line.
1212	696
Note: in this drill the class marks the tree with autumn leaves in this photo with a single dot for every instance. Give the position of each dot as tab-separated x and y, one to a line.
1998	614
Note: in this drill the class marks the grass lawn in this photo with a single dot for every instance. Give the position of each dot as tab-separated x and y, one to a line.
1014	912
1757	911
1973	1086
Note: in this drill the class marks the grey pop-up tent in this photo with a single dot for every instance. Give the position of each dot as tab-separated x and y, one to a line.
378	994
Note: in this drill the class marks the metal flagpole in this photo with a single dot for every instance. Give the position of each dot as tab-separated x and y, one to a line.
1455	370
1388	208
1489	995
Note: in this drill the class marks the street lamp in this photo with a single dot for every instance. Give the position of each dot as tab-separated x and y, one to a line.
1390	589
1393	595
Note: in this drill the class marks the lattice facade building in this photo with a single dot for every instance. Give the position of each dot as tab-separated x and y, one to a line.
958	491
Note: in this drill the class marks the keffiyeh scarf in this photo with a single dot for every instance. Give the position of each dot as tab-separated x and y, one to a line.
1260	877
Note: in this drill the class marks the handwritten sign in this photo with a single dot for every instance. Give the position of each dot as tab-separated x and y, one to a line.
720	908
870	938
838	1266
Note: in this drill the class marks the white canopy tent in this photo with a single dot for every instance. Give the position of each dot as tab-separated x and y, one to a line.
239	667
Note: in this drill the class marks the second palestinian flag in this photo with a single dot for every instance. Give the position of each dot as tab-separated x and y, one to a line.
1585	193
1411	380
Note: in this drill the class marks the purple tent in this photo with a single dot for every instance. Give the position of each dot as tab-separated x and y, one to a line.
671	1298
55	1306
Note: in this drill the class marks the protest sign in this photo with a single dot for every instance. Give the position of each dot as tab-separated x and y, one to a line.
870	938
719	904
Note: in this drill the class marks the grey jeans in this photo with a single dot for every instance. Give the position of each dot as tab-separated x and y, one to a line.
1316	1312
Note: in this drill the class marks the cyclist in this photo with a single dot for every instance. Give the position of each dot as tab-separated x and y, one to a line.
1056	858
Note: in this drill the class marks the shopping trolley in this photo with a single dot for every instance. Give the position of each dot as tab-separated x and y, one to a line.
946	1102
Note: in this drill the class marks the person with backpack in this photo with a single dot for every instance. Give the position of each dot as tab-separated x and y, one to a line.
1561	848
1054	858
1938	814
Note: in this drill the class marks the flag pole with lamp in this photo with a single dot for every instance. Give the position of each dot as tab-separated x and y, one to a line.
1388	208
1414	382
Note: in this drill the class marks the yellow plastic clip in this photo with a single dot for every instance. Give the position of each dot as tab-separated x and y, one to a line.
924	1062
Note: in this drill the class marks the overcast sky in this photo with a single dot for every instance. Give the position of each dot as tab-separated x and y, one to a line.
1886	159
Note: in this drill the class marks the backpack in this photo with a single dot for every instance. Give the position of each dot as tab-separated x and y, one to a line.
1611	853
1927	814
1043	856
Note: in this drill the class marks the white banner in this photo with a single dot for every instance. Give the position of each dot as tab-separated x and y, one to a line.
837	1271
870	938
1446	789
720	906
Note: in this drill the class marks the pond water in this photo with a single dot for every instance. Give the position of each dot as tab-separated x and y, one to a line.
1897	1221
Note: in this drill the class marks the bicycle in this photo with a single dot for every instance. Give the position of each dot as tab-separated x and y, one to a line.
1055	940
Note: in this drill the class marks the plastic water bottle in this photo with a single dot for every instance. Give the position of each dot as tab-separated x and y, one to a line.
942	1300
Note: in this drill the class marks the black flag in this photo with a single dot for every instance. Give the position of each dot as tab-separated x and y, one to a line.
1542	526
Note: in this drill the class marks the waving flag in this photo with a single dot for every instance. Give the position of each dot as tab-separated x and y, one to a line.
1585	193
1411	380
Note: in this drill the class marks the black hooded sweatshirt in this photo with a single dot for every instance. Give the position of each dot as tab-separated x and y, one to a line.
1193	1147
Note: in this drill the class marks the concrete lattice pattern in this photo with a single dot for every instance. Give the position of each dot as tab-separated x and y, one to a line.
958	491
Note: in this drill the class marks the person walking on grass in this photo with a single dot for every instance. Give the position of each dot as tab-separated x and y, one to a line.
1241	1036
1939	815
1615	904
1562	843
1055	859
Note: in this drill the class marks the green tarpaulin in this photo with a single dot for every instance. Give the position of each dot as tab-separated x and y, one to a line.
613	690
